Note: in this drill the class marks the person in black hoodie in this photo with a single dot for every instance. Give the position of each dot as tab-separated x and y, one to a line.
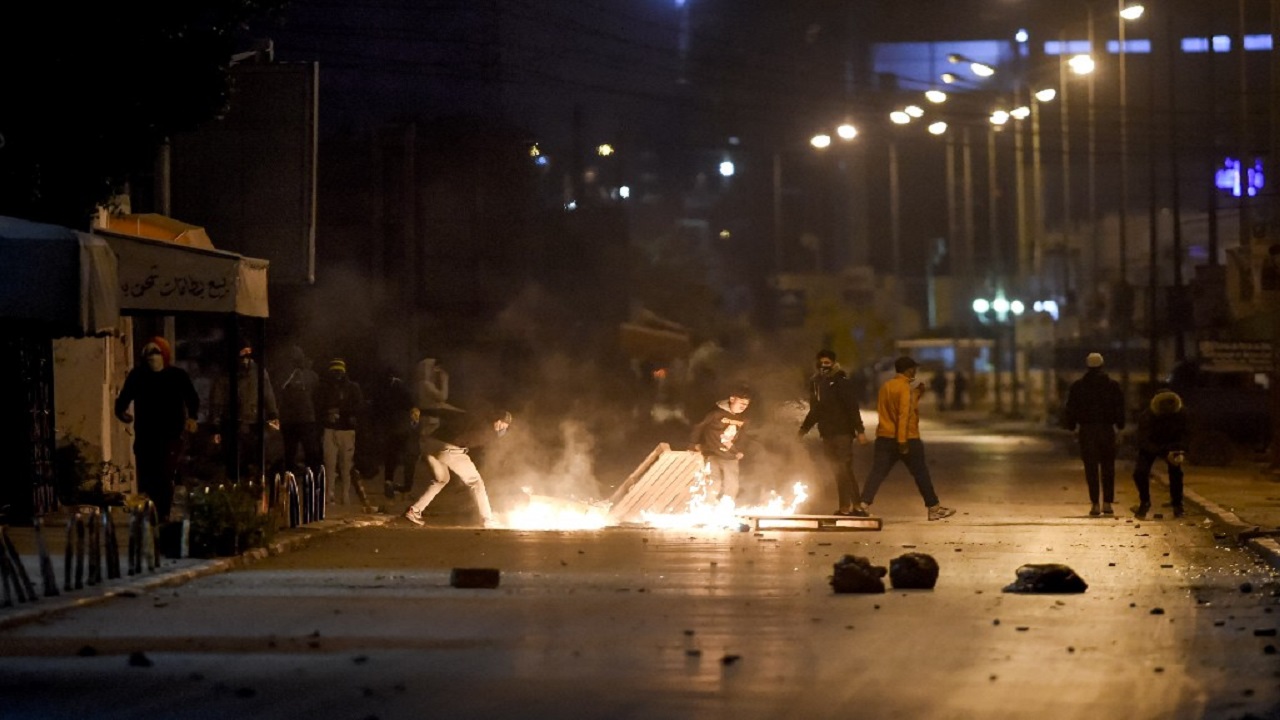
833	407
339	405
1095	407
719	437
166	404
448	452
1162	434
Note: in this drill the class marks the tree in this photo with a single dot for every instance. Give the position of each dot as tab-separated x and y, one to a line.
91	91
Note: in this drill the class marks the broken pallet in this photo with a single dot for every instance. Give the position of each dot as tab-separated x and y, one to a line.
811	522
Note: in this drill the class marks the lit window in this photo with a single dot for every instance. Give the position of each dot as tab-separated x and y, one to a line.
1257	42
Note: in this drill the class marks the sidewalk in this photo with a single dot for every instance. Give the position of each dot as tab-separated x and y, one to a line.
1243	498
170	571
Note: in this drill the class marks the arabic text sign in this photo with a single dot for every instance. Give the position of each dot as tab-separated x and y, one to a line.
1252	356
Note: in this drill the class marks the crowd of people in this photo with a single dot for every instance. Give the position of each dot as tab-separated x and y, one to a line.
328	422
317	422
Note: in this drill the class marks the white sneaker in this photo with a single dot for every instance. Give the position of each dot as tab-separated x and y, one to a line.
413	516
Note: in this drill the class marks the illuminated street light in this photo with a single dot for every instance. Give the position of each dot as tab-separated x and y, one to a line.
938	128
820	141
914	111
999	117
1022	112
1132	12
727	169
899	117
1021	36
981	69
981	306
949	78
1017	307
604	150
1046	95
1081	64
847	132
935	96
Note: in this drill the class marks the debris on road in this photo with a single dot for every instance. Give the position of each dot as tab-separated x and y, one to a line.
854	574
474	578
1047	578
913	571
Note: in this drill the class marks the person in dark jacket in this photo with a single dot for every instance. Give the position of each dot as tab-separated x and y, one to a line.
833	407
166	404
448	453
720	438
298	426
1162	435
339	403
1095	409
249	436
394	420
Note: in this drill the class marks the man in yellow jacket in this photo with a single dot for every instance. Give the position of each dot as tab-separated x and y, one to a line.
898	437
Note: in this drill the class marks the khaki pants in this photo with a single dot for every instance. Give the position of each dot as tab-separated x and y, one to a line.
339	459
445	460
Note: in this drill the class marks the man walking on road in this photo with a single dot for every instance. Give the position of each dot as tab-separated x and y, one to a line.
833	407
898	438
1095	406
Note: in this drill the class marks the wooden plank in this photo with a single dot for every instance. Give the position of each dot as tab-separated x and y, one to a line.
824	523
662	486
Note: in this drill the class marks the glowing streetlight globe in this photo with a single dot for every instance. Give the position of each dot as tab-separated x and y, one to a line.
914	111
981	306
899	117
727	169
1020	113
1082	64
1016	307
938	128
820	141
1132	12
1046	95
935	96
847	132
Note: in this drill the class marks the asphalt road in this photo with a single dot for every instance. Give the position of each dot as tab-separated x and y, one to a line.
634	623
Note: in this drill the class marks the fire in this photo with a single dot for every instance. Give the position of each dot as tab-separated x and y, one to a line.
541	512
706	512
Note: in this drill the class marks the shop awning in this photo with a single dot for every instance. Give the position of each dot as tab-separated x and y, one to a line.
57	280
173	268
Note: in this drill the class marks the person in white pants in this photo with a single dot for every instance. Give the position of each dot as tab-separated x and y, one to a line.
447	452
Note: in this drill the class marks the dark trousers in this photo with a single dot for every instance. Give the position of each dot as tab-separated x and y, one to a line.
1098	451
1142	478
838	450
158	471
886	456
399	452
304	437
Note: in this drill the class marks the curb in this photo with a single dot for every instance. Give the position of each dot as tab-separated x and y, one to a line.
1267	549
306	535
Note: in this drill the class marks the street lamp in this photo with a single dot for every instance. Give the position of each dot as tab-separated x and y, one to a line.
1125	13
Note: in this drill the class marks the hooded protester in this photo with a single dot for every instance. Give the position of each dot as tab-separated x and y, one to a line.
339	403
393	423
833	407
448	453
1163	432
166	405
720	438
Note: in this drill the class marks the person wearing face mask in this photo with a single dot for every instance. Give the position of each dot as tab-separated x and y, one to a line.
448	453
833	407
339	404
165	405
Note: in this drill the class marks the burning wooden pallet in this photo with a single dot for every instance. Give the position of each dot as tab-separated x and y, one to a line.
665	484
660	485
823	523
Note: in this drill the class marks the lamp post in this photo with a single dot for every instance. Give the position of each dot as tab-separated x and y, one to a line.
1124	13
1002	313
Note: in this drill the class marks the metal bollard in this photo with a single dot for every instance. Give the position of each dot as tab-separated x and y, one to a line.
79	550
134	561
322	493
95	545
21	581
48	577
111	547
69	552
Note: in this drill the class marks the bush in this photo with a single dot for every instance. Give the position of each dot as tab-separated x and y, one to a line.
228	520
